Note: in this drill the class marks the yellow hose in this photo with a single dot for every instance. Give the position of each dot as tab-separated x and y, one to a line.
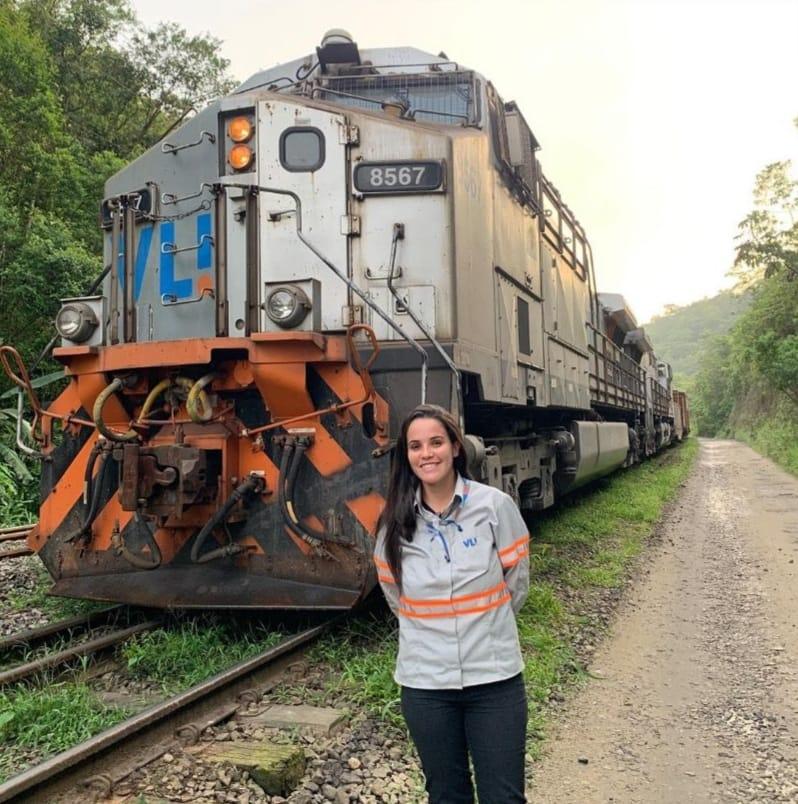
197	404
97	414
151	397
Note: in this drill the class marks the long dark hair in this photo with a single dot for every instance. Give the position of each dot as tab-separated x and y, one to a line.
399	515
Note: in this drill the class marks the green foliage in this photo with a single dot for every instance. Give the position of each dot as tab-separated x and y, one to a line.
123	86
774	432
83	88
769	234
683	334
758	358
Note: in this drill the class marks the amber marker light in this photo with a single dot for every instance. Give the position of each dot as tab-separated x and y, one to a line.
240	157
240	129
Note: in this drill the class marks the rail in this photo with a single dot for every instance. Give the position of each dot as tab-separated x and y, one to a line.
33	783
29	669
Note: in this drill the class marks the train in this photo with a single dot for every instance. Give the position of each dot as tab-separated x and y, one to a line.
287	275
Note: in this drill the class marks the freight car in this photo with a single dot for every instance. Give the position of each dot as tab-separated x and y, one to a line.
288	273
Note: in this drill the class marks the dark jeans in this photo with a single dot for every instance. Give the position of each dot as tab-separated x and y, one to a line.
489	722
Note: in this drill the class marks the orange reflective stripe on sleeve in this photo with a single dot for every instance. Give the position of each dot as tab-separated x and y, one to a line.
524	540
511	562
384	571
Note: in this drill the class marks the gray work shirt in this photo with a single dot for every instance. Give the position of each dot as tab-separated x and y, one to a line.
464	576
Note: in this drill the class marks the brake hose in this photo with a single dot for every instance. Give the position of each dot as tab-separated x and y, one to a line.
97	414
252	483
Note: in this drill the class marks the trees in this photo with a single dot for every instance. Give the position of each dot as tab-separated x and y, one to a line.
83	88
122	87
758	360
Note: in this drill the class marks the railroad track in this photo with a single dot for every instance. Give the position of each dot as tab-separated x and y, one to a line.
105	618
210	701
14	534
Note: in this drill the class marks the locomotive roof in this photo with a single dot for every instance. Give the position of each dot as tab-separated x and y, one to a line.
385	60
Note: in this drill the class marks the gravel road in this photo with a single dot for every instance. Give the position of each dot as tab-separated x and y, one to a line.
694	695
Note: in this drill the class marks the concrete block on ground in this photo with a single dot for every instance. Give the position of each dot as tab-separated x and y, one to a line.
322	720
278	769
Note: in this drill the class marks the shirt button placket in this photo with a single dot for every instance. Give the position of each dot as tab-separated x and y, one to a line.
455	624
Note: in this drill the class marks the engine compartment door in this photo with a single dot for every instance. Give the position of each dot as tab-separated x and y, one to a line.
304	150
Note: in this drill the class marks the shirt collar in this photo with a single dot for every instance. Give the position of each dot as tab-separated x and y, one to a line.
458	498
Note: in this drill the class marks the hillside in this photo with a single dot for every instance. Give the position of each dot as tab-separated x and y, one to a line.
681	335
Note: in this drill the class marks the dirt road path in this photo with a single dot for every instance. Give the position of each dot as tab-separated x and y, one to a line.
695	695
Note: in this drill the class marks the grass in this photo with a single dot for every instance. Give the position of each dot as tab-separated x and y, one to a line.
361	655
194	650
589	543
39	722
775	435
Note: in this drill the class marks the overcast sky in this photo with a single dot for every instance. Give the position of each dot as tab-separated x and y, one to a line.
654	115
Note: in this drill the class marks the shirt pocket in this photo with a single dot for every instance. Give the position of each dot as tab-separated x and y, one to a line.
472	550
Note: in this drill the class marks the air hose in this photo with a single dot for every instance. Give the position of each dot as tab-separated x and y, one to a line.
97	414
286	506
154	393
252	484
197	404
290	461
93	490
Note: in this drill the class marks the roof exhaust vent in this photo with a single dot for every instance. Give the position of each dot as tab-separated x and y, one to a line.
337	49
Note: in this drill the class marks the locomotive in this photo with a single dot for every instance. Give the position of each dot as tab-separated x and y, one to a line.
287	275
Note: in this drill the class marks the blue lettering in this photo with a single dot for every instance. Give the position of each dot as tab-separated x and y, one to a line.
470	542
142	255
179	288
204	239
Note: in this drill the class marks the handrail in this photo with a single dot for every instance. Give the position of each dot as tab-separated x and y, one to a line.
19	376
399	234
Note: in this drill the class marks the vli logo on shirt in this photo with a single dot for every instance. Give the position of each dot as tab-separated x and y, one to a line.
470	542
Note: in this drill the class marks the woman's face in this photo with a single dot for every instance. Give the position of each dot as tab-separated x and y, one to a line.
430	451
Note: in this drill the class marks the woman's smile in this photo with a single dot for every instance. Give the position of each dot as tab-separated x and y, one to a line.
431	452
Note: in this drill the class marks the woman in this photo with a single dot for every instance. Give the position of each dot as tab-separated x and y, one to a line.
452	560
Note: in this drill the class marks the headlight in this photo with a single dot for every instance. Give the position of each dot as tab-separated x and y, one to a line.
75	322
287	306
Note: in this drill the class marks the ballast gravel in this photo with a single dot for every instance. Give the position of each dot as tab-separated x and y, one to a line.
19	578
365	761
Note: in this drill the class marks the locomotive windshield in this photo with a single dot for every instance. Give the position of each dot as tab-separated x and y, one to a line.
449	98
